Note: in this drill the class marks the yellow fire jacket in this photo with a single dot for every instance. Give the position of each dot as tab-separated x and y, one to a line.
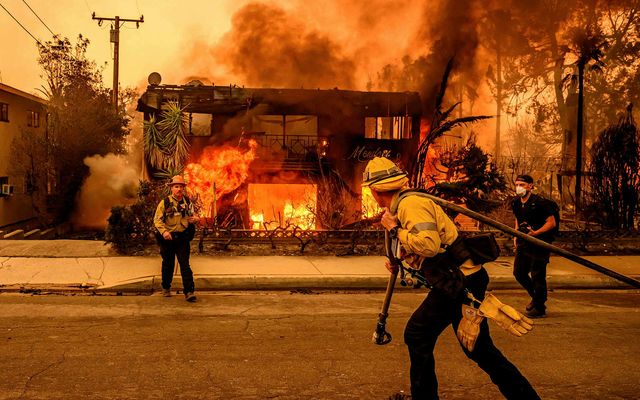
425	230
176	220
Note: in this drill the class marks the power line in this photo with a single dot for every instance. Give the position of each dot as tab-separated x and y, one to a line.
37	16
88	8
115	39
22	26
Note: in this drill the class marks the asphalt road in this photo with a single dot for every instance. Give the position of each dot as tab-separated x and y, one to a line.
282	345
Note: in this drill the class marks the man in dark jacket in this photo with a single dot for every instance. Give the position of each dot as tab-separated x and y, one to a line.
535	217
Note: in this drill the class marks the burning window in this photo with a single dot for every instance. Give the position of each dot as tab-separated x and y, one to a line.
387	127
282	205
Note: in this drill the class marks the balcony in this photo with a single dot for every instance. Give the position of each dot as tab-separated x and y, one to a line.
287	152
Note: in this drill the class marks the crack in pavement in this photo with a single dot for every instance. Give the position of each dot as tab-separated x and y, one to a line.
33	276
98	280
246	329
53	364
104	266
315	266
249	309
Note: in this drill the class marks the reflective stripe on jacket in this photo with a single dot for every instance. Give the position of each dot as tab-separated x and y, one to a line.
425	229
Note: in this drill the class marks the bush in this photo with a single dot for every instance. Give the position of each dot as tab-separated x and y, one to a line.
132	225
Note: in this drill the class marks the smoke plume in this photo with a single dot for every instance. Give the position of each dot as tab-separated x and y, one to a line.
270	48
112	181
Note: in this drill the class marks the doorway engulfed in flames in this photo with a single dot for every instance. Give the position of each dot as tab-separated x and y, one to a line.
282	205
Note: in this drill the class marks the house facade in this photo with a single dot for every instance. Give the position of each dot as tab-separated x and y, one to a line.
20	112
303	137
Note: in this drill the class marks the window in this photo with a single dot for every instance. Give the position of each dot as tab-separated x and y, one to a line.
306	125
387	128
200	124
4	112
297	135
33	119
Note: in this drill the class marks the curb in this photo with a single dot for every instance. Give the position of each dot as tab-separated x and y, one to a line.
293	282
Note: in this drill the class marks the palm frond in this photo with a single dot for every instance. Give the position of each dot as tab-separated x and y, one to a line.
449	125
153	143
448	112
174	143
167	173
443	85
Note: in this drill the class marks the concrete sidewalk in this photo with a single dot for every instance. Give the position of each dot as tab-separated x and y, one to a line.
60	265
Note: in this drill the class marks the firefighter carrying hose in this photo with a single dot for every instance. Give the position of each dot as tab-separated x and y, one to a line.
428	241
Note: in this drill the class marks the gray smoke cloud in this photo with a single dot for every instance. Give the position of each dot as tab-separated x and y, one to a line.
112	180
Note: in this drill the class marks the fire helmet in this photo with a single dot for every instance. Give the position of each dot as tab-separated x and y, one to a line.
177	180
383	175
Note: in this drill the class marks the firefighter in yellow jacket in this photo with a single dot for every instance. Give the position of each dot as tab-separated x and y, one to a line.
175	224
426	234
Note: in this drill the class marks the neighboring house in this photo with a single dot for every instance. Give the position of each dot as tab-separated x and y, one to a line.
19	112
301	133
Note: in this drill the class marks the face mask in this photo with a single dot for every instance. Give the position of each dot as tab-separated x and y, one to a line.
520	191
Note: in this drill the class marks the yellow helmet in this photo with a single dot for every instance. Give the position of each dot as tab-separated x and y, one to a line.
383	175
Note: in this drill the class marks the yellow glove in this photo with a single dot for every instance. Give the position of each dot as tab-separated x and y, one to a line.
506	316
469	327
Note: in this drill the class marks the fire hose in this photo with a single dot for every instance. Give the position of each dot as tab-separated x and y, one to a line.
381	336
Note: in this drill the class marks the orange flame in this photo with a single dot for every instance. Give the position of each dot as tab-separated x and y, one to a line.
286	205
258	220
225	167
370	206
299	216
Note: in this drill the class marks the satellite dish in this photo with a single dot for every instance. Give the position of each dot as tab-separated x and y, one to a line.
154	78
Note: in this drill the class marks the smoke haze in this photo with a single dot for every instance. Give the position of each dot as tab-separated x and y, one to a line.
112	181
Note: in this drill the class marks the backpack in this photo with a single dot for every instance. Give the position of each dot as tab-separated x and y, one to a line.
555	209
481	247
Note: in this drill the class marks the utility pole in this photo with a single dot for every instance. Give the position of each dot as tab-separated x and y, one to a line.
115	39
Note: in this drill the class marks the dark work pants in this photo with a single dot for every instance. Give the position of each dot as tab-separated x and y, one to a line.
530	270
169	249
435	313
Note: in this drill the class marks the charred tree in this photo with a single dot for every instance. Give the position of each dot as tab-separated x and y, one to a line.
615	176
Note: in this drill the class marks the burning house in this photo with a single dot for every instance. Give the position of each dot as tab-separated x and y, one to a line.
260	158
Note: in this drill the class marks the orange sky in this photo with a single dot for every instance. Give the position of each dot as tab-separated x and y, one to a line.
168	27
180	39
165	41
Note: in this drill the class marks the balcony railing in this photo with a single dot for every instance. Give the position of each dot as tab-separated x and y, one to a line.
294	147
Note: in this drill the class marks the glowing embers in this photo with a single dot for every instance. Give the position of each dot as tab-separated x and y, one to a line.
369	205
282	205
224	168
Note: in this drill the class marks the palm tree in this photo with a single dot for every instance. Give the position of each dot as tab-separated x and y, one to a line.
588	45
440	124
166	147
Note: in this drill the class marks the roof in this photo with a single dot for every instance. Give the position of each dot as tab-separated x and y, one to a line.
233	99
18	92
